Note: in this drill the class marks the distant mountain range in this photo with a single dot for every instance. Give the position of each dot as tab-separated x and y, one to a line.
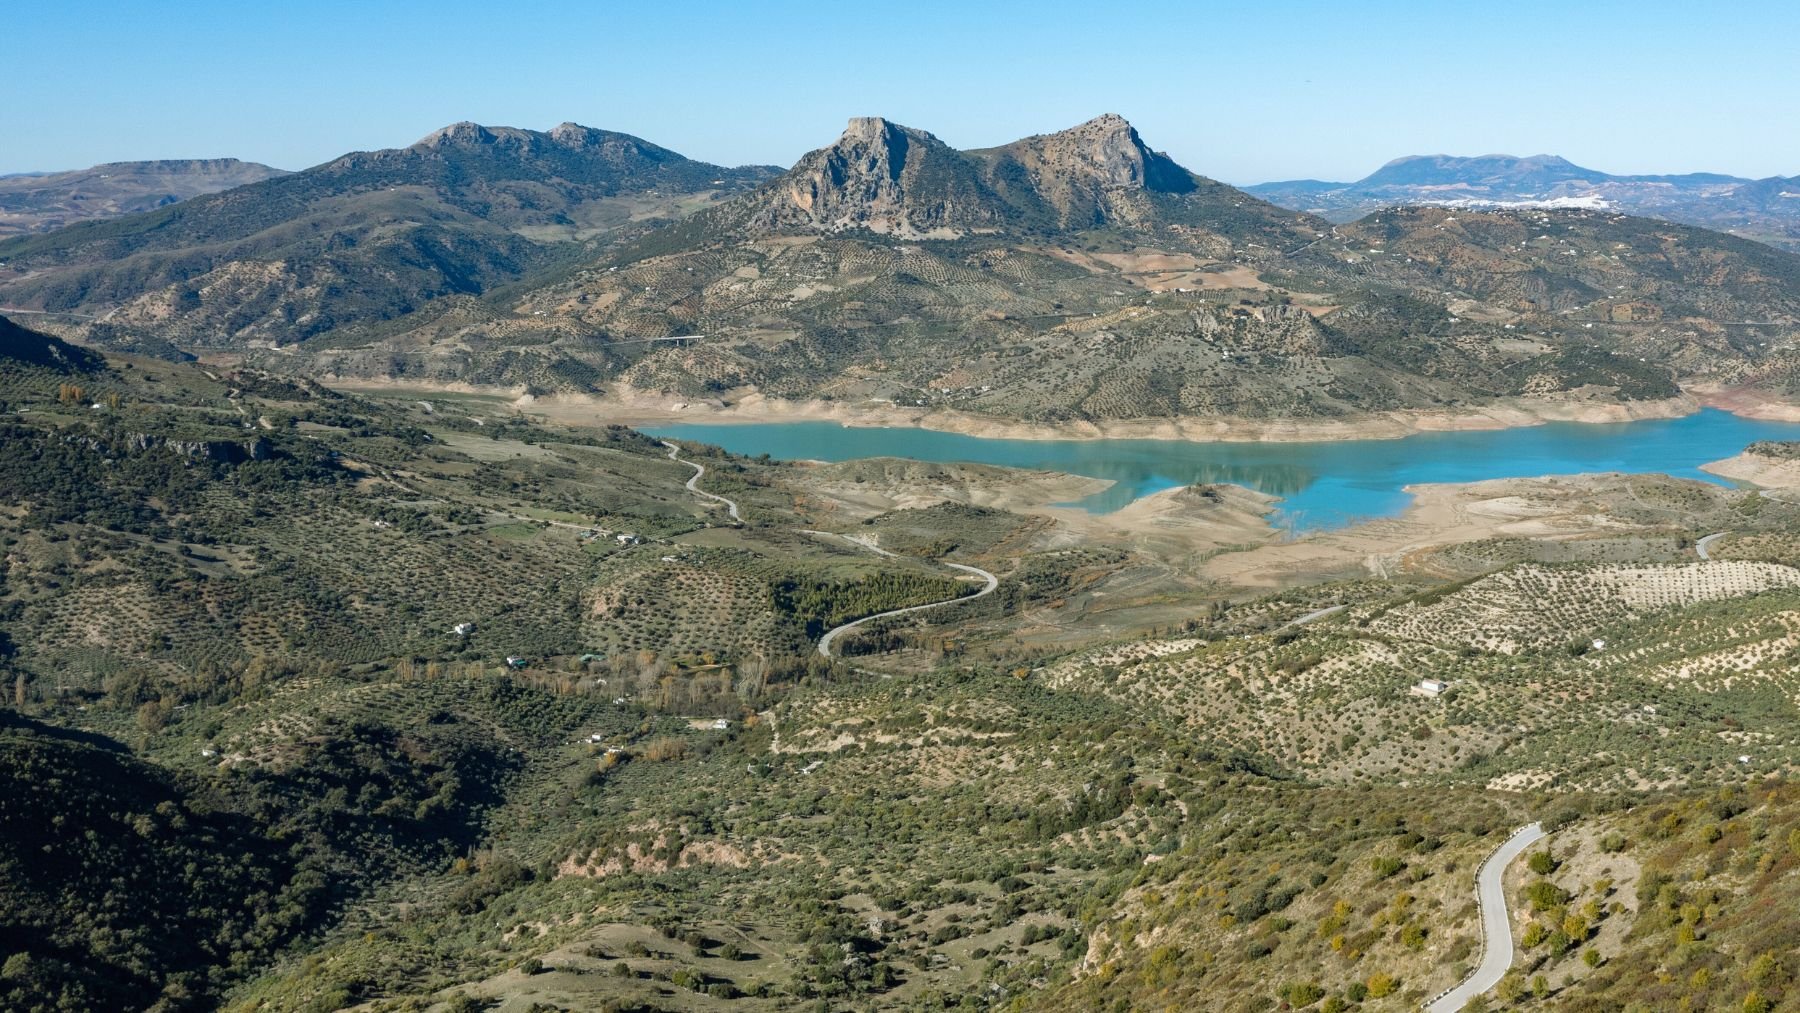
41	201
365	237
1072	278
1762	209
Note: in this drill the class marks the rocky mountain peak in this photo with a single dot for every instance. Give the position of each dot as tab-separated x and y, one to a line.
868	129
881	176
1105	151
574	135
462	133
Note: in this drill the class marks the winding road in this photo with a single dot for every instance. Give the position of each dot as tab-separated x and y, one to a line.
693	484
1703	547
831	635
1496	923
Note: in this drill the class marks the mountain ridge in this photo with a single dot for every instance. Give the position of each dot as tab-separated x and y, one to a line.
364	237
1712	200
38	202
1068	278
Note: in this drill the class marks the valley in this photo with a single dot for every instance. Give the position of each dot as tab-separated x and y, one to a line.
536	570
582	711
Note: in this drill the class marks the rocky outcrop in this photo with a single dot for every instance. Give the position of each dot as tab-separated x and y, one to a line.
896	180
219	451
1104	152
888	179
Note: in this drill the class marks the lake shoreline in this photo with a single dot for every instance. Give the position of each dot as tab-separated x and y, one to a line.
638	408
1321	484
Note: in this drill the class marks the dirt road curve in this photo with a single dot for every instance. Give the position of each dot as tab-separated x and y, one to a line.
693	484
826	641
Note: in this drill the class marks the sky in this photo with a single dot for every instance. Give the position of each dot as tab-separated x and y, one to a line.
1244	92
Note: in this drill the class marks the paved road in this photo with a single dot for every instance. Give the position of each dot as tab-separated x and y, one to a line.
831	636
693	484
1703	547
1496	923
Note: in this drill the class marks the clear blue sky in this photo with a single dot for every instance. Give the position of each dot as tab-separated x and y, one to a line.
1244	92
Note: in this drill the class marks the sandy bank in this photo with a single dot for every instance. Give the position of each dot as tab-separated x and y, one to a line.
1767	472
640	408
1749	403
628	406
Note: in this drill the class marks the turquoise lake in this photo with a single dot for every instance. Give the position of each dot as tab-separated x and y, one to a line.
1322	485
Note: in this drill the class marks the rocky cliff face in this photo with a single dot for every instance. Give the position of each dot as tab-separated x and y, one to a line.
896	180
1105	151
886	178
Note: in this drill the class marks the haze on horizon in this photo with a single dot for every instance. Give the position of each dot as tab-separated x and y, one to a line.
1286	90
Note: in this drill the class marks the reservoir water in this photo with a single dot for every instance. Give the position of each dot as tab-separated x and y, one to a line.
1322	485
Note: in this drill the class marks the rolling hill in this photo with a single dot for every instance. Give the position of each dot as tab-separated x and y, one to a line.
43	201
318	700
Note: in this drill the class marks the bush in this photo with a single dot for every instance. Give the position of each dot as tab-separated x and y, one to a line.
1303	993
1385	865
1545	895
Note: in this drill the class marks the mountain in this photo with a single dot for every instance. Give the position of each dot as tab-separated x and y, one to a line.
1077	278
1751	208
883	179
1482	171
1081	278
42	201
365	237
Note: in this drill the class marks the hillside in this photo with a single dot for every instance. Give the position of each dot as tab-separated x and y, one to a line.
1754	209
365	237
1072	280
43	201
989	288
462	707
